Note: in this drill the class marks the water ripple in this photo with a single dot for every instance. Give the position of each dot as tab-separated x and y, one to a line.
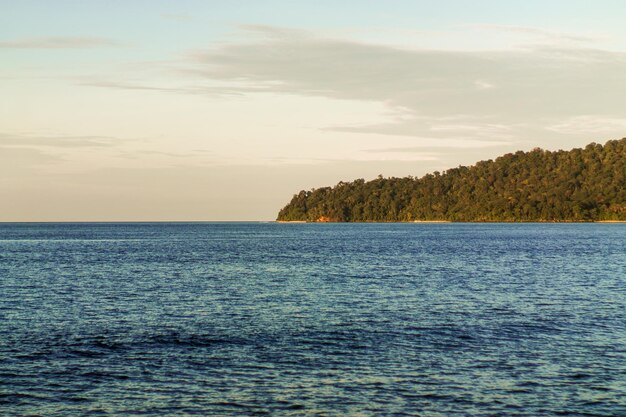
294	320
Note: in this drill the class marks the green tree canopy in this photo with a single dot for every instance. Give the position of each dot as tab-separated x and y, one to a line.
579	185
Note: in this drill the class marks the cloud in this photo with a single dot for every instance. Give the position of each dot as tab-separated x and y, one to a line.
483	85
193	89
539	34
499	94
298	63
198	156
453	132
8	140
590	124
60	43
439	145
16	158
510	96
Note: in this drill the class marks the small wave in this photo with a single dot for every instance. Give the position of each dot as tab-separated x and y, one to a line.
191	340
100	375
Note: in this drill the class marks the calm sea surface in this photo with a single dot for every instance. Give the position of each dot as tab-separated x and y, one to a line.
313	319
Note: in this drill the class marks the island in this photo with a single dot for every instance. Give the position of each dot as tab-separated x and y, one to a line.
580	185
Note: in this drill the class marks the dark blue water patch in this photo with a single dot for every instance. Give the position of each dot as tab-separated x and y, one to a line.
313	319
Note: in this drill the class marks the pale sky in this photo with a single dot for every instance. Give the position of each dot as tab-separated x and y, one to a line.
222	110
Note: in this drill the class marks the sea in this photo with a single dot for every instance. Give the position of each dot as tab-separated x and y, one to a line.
272	319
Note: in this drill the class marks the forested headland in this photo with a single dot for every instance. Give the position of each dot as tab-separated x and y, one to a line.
578	185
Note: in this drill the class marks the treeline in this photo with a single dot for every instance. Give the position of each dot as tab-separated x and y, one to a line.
578	185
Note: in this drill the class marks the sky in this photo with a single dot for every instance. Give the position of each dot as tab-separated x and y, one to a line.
149	110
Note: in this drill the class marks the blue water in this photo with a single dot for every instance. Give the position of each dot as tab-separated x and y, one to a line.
313	319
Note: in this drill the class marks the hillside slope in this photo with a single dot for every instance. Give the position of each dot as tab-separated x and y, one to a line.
578	185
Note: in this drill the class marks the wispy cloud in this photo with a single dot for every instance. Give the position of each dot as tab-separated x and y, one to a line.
533	35
189	89
196	154
14	161
495	91
76	42
43	141
590	124
507	96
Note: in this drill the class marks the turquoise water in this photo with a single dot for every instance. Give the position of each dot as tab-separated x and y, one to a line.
313	319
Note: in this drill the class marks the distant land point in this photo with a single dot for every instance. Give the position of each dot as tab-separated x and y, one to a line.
581	185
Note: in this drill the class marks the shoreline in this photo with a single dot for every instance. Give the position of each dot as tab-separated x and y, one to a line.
429	221
471	222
